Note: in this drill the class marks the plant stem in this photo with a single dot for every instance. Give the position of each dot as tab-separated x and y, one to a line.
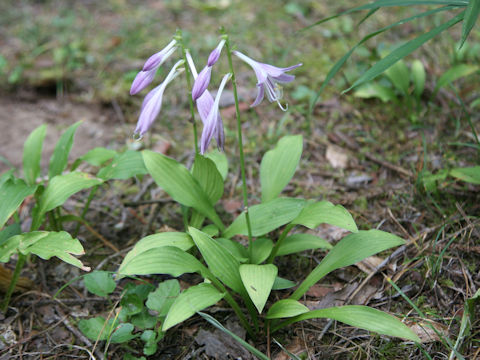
93	191
13	282
240	146
279	242
189	92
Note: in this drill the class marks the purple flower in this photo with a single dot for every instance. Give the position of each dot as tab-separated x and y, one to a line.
205	104
146	76
203	79
153	102
213	123
269	77
215	54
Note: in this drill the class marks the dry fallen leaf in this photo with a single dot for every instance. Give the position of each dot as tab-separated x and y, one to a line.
426	333
337	157
371	263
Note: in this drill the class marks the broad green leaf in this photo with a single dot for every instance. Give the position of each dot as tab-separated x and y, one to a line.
279	165
300	242
245	344
177	181
467	174
258	280
124	166
164	260
32	154
210	229
59	158
100	283
8	232
261	249
46	244
163	297
180	240
12	194
470	18
453	74
402	51
399	76
131	304
8	248
235	248
94	328
286	308
266	217
282	284
61	187
374	90
219	260
362	317
149	337
144	320
220	160
418	77
194	299
122	333
206	173
337	66
324	212
98	156
350	250
7	175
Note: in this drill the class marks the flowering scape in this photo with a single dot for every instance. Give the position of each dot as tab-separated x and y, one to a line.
269	78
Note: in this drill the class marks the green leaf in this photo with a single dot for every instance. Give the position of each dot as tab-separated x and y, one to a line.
418	77
194	299
164	260
399	76
338	65
122	333
144	320
44	244
235	248
282	284
94	328
131	304
258	280
350	250
261	249
362	317
401	52
163	297
453	74
59	158
207	175
316	213
467	174
100	283
149	337
279	165
32	154
12	193
470	18
124	166
8	232
219	260
177	181
180	240
266	217
242	342
220	160
286	308
98	156
300	242
61	187
374	90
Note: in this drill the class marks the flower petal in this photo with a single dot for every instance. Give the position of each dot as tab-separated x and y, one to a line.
150	111
215	54
204	105
276	71
260	95
159	58
201	82
142	80
284	78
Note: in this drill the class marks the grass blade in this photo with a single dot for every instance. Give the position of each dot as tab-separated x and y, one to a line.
470	18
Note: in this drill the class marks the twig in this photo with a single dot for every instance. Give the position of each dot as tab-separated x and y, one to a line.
146	202
62	301
108	258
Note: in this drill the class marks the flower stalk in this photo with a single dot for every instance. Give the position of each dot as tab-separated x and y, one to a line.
240	146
